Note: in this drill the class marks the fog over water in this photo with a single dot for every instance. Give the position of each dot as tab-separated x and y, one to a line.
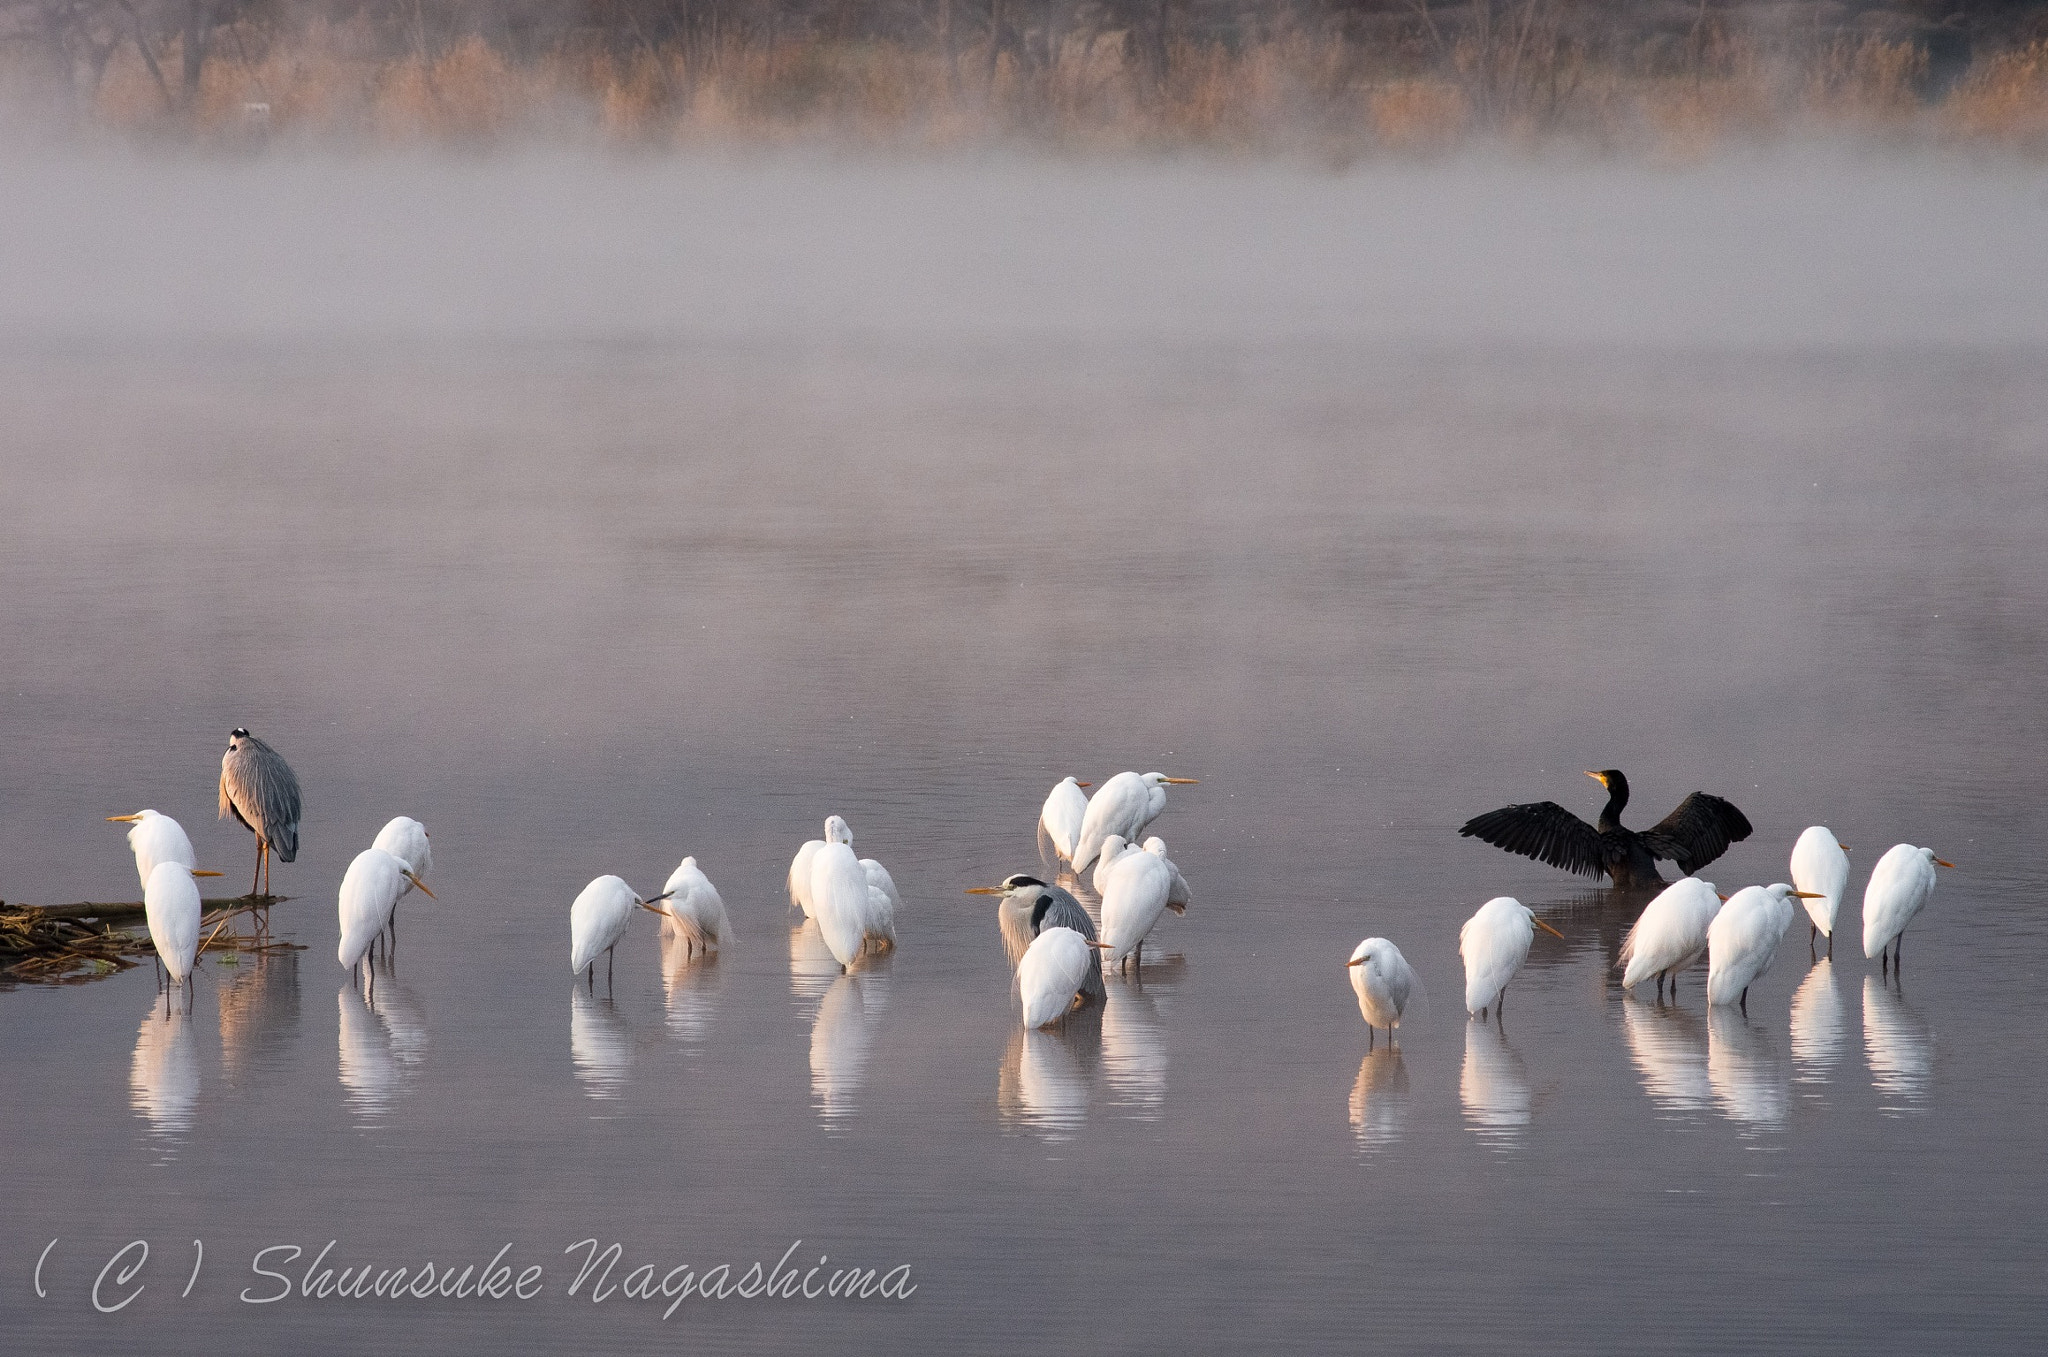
598	510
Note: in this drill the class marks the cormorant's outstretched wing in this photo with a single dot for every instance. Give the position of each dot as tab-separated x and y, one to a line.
1699	831
1545	831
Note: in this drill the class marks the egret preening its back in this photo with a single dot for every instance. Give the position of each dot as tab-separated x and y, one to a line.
1178	897
1383	980
1743	940
1494	943
1899	888
1699	831
695	908
260	790
1820	866
156	838
1050	977
1132	902
883	902
1125	805
597	920
840	894
1113	847
370	890
407	840
1670	934
1062	814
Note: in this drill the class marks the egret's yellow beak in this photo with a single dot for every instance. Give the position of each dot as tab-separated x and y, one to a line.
652	909
1722	898
1809	895
1356	961
422	886
1546	927
1181	781
1939	863
986	890
1084	784
1843	846
197	872
122	819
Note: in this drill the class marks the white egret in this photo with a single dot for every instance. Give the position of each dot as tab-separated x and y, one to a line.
1383	980
407	840
1820	864
1743	940
1494	943
156	838
695	908
1062	814
171	902
1125	805
1899	887
597	920
840	894
1670	934
883	902
1050	977
800	874
369	892
1113	847
1132	902
1179	897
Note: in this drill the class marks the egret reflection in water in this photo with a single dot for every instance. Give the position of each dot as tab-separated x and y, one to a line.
600	1047
812	968
1379	1098
1669	1048
1134	1048
690	981
1750	1082
843	1039
1047	1074
1899	1046
163	1078
1816	1024
259	1010
382	1043
1494	1087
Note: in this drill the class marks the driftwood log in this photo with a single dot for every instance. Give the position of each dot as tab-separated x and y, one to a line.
65	944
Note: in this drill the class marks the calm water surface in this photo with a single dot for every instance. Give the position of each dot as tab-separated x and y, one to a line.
597	514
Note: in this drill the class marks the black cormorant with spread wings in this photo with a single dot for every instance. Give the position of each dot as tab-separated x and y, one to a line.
1692	836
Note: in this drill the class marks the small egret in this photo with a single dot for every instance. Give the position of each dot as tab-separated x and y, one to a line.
883	902
1699	831
1670	934
695	908
1383	980
597	920
260	790
156	838
841	894
1052	973
171	902
369	892
1494	943
1179	897
1132	902
1899	887
1113	848
1029	907
1125	805
1743	940
1062	814
1820	865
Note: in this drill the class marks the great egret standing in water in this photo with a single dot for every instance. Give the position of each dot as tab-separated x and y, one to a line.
407	840
1670	934
1062	814
1178	897
1132	902
1494	943
695	908
1113	847
597	920
171	903
156	838
1383	980
1820	867
840	894
370	890
1125	805
1699	831
1743	940
1899	888
260	790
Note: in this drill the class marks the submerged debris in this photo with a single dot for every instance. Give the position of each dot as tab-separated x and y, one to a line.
69	944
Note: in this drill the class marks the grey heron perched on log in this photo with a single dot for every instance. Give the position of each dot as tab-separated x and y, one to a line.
259	788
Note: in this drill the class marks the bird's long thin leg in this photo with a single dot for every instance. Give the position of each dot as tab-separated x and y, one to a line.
256	881
1831	947
1745	1001
607	968
1898	953
1368	1038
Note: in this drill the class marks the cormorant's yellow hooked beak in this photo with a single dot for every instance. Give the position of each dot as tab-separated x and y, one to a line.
1809	895
421	885
122	819
1939	863
1181	781
1545	927
197	872
986	890
1600	778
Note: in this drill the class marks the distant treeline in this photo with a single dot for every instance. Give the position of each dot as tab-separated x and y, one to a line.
1349	73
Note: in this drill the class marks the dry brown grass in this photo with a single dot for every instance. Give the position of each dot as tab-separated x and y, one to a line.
1291	91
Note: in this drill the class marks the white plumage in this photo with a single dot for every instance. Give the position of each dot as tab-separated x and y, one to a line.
407	840
369	892
1125	805
883	902
1113	847
840	897
170	899
1132	901
597	920
1494	943
800	874
1820	864
1051	974
156	838
1671	932
1899	888
1383	980
1743	940
695	908
1178	897
1061	817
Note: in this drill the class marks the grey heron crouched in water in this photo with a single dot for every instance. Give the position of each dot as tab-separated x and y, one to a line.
1030	907
259	788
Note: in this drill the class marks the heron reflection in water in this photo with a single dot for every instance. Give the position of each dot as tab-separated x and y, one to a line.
259	1010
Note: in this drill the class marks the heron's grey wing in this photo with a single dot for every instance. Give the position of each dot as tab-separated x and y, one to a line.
276	792
1545	831
1699	831
1066	912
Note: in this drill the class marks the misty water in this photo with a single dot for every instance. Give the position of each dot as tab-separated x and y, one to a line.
599	511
